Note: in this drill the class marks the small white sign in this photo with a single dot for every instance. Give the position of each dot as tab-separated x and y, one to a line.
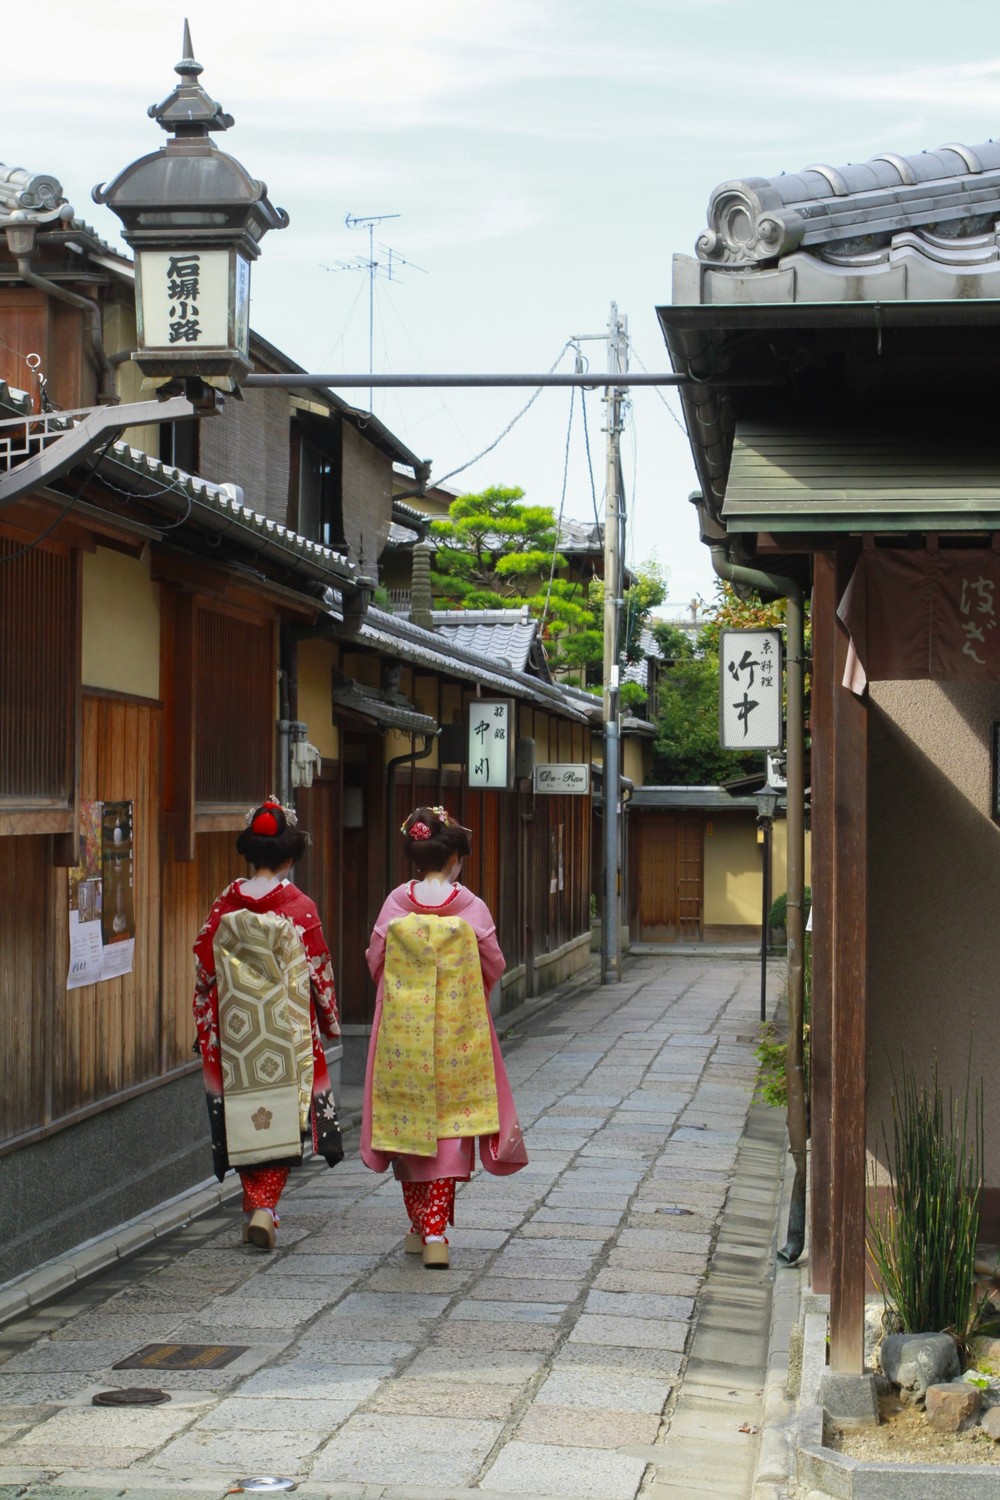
563	779
491	757
185	299
750	682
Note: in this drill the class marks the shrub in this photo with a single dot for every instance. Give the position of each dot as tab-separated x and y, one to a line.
772	1049
778	914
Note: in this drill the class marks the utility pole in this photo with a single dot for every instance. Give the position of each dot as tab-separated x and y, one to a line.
614	398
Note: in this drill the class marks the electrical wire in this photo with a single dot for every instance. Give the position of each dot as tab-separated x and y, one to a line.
658	391
510	425
590	461
562	505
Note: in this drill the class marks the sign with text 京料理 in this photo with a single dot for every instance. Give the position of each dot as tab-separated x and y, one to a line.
750	702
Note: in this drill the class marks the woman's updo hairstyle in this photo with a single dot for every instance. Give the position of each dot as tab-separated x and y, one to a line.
431	836
272	836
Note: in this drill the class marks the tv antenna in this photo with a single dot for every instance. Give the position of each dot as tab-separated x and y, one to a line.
387	266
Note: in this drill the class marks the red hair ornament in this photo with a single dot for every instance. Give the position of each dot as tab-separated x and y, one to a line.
419	832
265	823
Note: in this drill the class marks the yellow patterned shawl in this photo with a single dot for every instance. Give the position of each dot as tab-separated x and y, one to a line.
265	1035
433	1076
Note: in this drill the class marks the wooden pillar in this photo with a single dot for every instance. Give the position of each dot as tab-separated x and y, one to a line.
849	1011
824	626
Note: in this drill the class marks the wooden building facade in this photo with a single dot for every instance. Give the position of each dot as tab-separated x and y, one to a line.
166	606
842	323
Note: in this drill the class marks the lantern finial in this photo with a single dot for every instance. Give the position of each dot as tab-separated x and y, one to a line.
189	111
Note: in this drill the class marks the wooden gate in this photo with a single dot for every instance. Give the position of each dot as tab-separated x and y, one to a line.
667	876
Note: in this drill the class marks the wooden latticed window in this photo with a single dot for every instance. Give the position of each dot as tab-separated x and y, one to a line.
234	685
39	652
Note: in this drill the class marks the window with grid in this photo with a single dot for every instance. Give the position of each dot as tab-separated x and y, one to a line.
234	744
39	649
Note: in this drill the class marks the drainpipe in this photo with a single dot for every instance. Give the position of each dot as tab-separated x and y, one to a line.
409	758
107	393
774	583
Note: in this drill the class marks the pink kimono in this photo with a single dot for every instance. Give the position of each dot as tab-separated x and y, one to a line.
501	1153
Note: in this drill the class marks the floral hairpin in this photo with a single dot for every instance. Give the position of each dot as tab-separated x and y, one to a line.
441	814
268	807
419	832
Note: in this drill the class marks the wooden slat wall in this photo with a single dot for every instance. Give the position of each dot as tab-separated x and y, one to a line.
189	889
107	1035
28	890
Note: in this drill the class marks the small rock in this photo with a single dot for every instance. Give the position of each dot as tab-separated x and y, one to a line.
991	1423
914	1361
953	1407
985	1350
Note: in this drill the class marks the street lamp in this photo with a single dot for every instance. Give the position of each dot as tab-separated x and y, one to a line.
195	218
767	806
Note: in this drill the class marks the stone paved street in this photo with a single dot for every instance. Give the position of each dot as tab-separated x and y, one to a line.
573	1349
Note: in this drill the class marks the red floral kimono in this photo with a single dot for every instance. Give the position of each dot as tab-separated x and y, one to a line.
284	901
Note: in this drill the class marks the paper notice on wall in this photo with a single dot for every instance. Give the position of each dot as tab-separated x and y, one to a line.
101	896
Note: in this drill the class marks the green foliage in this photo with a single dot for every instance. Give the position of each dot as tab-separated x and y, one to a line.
922	1239
687	750
771	1050
632	698
778	915
497	552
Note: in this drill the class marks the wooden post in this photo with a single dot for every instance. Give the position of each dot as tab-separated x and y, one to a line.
824	626
849	1013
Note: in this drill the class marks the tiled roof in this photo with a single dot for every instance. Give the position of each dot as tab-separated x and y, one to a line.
397	637
951	192
222	508
504	635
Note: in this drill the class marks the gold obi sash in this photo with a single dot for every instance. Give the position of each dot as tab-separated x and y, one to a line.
433	1076
265	1035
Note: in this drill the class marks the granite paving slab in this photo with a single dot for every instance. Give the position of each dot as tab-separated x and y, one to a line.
277	1413
581	1473
610	1391
504	1312
402	1449
500	1367
486	1336
236	1452
578	1426
639	1305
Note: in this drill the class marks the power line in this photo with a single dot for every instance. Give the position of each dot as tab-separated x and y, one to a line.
510	425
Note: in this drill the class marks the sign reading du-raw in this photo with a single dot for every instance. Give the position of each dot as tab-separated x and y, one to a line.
750	707
563	779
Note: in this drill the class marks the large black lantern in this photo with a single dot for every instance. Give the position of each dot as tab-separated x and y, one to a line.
194	218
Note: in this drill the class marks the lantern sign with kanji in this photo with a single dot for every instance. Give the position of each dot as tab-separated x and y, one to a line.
195	218
491	747
750	683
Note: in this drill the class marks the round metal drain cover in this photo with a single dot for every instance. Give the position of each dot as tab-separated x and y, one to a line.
140	1395
264	1484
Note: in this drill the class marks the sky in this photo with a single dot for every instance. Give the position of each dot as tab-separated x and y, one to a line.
543	159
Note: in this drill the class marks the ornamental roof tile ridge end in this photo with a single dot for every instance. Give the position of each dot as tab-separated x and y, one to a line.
753	221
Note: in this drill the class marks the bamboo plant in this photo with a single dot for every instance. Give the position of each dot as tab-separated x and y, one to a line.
922	1237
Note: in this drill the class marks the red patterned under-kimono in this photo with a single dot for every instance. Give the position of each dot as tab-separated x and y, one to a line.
264	1181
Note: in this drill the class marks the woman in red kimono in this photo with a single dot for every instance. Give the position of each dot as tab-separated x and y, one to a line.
435	1080
263	994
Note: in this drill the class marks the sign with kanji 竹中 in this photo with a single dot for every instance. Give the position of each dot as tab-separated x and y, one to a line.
491	744
750	706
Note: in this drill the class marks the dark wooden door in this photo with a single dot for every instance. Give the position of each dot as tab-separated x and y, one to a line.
668	867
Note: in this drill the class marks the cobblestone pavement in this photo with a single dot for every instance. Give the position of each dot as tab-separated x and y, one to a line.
573	1349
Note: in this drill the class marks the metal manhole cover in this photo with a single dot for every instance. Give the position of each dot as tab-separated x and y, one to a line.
140	1395
182	1357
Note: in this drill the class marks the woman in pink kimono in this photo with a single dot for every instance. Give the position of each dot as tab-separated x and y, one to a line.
435	1081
